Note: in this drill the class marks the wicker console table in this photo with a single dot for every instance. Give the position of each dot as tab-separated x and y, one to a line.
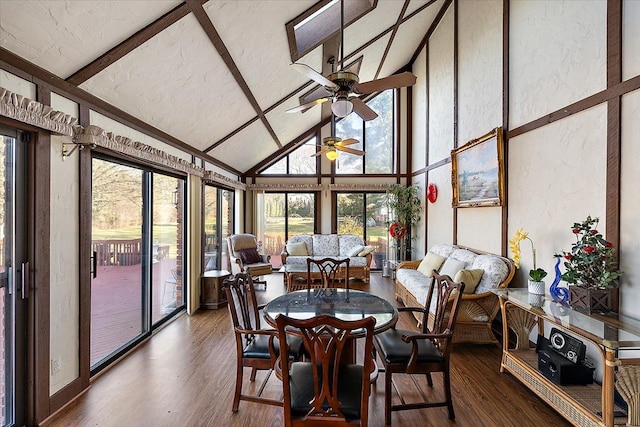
584	406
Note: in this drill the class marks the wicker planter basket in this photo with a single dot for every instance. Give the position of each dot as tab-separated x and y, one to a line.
594	300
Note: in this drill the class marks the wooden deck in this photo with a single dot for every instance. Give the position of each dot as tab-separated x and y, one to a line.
184	376
116	297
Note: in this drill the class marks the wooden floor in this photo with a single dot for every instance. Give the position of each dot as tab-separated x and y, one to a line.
184	376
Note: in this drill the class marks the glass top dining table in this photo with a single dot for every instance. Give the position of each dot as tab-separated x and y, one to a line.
344	304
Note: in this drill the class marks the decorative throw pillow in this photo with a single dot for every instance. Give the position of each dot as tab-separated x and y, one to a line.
250	256
366	250
355	250
451	267
429	263
297	249
471	278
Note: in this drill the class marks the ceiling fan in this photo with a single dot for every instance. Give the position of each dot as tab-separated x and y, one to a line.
344	87
332	144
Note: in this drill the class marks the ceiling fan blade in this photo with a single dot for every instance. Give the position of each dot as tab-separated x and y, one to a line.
350	150
397	80
363	109
306	106
345	142
314	75
321	152
317	93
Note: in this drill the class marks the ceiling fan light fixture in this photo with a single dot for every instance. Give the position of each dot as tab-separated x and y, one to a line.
342	107
332	154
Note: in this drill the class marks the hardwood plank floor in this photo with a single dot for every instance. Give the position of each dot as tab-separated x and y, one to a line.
184	376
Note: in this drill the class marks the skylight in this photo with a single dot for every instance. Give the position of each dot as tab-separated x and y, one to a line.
321	22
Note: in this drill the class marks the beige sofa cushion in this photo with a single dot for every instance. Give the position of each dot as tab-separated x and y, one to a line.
429	263
297	249
471	278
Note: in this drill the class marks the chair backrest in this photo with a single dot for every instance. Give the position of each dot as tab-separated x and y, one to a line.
331	271
325	388
242	304
238	242
448	295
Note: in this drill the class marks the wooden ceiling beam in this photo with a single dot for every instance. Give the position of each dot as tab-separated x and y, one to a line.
127	46
212	33
393	35
432	28
39	75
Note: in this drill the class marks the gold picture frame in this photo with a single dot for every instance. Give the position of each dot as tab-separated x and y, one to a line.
477	172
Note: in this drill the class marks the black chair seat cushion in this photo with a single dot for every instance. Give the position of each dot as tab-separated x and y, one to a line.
258	348
349	389
394	350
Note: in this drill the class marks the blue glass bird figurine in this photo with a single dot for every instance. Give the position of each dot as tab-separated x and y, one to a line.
557	293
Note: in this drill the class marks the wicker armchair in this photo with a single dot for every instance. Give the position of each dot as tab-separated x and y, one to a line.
473	307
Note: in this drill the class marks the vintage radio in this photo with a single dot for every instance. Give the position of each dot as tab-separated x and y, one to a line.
561	359
567	346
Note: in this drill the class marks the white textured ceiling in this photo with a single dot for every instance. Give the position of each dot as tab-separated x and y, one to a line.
233	108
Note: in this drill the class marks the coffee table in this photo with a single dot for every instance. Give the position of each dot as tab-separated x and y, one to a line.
295	277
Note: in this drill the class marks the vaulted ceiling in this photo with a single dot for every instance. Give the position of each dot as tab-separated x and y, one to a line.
214	75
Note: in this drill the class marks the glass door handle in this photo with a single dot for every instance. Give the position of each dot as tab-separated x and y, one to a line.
94	264
24	280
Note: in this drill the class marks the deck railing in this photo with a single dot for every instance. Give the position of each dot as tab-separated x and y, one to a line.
117	252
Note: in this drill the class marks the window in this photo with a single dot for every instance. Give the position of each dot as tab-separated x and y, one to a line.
218	226
376	138
138	240
299	162
365	215
283	215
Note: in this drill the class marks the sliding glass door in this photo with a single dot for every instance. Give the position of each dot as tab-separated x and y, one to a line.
218	225
137	239
365	215
14	276
282	215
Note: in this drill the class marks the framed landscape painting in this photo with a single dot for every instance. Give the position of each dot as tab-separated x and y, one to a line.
478	172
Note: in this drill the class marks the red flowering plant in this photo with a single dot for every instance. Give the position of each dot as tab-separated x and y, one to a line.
591	263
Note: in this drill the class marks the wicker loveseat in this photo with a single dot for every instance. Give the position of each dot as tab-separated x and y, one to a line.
478	309
299	248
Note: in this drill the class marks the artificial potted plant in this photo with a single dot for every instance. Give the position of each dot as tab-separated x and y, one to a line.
404	204
592	269
536	274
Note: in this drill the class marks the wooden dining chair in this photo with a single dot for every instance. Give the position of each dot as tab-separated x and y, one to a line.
424	352
330	272
256	348
325	390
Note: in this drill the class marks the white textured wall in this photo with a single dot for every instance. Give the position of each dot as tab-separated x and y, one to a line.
64	339
557	176
439	214
479	68
557	52
481	228
441	89
631	39
419	110
17	85
64	284
118	128
630	204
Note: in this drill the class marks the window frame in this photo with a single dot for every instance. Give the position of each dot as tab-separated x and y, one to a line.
287	159
394	138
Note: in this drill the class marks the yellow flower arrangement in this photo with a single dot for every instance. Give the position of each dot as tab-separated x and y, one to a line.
536	274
